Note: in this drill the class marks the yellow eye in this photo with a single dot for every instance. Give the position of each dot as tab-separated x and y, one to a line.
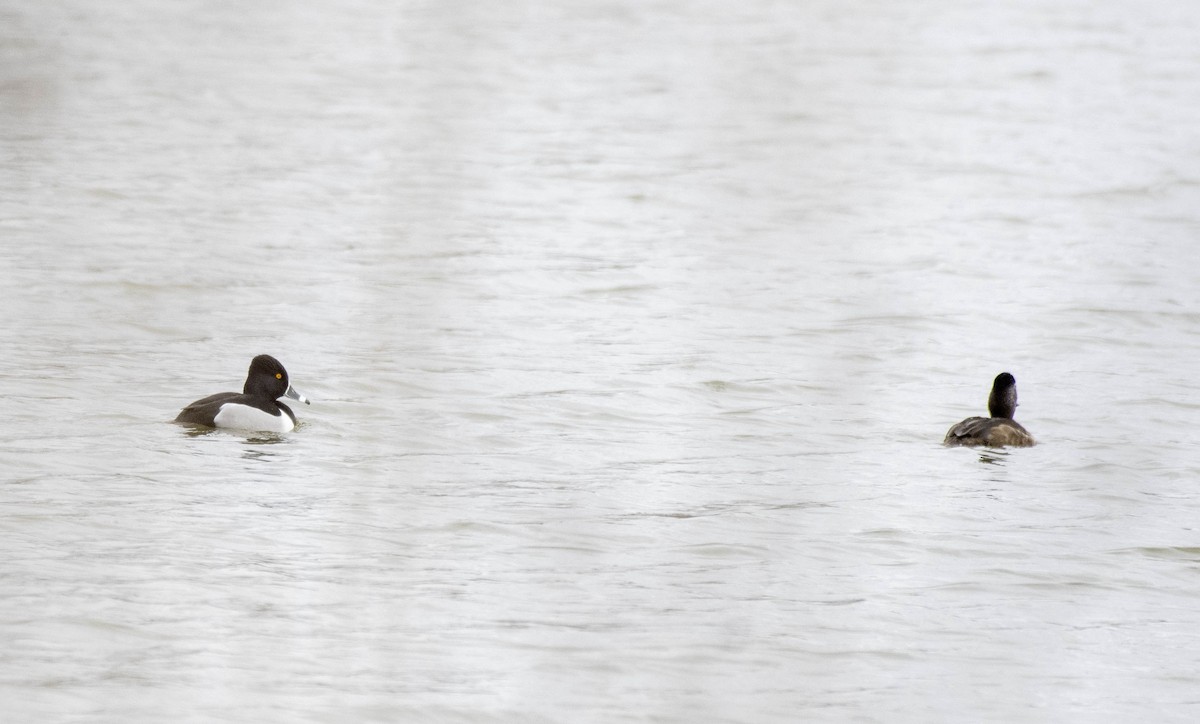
279	375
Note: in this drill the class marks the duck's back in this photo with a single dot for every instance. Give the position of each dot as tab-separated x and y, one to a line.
989	431
203	411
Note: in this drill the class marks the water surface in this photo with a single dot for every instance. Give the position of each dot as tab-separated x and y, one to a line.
631	330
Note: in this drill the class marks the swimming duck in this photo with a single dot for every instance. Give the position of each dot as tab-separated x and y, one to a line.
1000	429
255	407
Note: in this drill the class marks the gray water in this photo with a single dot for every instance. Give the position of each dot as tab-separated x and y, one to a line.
632	330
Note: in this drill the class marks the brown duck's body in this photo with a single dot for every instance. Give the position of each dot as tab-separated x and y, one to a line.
990	432
999	430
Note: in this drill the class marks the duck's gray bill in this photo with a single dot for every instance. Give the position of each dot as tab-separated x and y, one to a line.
291	392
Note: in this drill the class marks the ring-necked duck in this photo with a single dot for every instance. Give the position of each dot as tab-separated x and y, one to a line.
998	430
255	407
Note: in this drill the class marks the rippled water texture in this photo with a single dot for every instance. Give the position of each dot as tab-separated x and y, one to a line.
632	330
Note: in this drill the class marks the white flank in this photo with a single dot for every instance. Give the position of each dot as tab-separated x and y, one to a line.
244	417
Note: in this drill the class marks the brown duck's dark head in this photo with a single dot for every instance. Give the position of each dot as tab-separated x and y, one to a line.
1003	400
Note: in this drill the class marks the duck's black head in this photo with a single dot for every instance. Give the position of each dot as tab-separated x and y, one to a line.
266	378
1003	400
